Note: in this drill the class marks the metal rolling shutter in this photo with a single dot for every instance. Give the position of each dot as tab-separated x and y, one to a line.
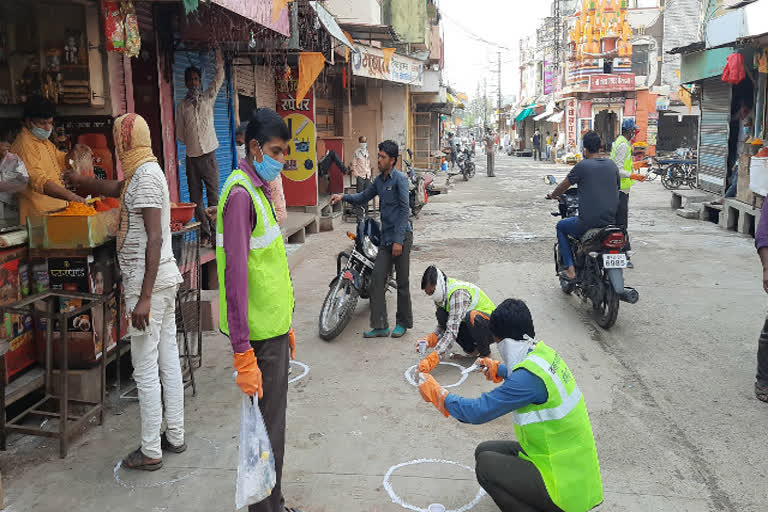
265	85
713	135
223	115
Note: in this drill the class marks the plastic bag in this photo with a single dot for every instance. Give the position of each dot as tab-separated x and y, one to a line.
734	70
256	475
13	174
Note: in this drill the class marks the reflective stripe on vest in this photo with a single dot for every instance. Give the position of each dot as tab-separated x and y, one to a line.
473	293
626	183
567	404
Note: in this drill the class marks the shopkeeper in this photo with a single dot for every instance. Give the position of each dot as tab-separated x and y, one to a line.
46	191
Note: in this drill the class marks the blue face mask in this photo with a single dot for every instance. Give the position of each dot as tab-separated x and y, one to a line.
41	133
268	169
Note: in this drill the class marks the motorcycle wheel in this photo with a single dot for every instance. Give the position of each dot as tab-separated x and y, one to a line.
465	174
471	170
673	178
607	310
337	310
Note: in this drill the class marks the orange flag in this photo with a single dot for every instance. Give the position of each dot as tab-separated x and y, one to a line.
388	52
310	66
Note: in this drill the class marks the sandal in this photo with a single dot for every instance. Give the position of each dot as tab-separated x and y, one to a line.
137	460
563	275
761	392
166	445
289	509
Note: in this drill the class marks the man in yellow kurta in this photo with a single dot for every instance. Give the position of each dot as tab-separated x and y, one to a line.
46	191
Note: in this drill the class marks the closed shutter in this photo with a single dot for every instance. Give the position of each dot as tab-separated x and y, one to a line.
713	135
223	116
244	77
265	87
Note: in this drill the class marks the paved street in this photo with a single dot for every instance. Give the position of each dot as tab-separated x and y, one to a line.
668	388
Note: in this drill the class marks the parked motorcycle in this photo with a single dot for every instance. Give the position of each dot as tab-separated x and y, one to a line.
418	185
600	259
465	163
354	274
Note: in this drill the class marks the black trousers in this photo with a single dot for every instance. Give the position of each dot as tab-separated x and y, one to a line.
514	484
622	216
762	356
273	356
203	170
381	271
360	185
474	331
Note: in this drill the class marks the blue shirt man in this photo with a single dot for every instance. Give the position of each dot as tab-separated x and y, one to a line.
392	188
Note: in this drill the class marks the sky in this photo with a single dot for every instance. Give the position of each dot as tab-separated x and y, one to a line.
501	22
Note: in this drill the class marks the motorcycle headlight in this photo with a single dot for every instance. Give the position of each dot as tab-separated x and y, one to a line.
369	249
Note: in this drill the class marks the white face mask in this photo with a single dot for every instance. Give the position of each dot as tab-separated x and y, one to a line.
364	145
514	351
440	290
241	151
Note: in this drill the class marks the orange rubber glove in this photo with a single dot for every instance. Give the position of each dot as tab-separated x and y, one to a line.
428	363
638	177
640	163
491	369
432	340
431	391
248	374
292	343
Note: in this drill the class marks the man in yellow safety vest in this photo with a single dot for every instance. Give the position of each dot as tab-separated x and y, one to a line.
621	154
553	465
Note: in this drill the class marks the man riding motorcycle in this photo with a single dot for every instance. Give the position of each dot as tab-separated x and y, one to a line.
598	181
463	313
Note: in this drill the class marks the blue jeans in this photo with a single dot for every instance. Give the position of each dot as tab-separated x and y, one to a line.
568	226
731	190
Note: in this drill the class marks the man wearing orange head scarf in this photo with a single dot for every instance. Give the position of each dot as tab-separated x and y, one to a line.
150	281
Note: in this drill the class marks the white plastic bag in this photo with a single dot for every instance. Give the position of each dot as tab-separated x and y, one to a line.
256	475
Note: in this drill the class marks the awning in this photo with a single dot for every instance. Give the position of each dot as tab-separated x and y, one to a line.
367	32
328	21
556	118
547	112
525	113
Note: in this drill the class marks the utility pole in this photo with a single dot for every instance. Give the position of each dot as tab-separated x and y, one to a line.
485	105
498	70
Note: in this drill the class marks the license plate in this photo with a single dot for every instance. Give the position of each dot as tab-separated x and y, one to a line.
615	260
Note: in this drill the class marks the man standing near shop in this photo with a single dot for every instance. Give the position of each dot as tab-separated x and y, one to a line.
255	291
490	155
195	129
536	145
391	186
761	243
621	154
361	167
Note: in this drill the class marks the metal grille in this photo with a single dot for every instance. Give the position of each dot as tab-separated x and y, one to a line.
713	135
421	139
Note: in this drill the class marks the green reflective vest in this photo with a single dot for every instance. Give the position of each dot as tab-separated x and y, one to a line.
270	292
626	183
557	436
480	301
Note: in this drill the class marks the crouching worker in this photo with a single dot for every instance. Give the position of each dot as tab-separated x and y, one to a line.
463	315
552	467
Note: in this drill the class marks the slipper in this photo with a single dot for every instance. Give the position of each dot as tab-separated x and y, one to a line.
761	392
289	509
166	445
137	460
563	275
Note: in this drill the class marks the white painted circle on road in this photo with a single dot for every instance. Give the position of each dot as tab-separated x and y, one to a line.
409	376
306	372
399	501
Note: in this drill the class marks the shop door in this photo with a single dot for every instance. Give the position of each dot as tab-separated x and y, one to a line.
422	134
713	135
605	125
223	115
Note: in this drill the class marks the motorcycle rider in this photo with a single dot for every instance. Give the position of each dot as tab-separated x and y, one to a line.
621	154
463	314
598	181
553	465
392	187
451	151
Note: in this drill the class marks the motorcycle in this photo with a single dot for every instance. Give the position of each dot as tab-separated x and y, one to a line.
418	186
599	259
354	275
465	163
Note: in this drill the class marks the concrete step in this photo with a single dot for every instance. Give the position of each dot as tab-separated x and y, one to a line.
330	221
688	213
682	198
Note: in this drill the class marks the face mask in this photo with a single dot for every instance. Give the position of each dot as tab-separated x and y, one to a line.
40	133
364	145
241	151
440	290
269	168
514	351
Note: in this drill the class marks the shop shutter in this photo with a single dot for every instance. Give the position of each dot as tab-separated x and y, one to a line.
713	135
244	77
265	87
223	115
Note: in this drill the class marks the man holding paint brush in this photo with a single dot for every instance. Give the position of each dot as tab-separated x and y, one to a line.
553	466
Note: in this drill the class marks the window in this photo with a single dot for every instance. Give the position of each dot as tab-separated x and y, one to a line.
640	60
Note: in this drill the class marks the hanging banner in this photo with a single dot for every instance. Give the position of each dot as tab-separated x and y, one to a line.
370	62
570	126
585	109
272	14
300	170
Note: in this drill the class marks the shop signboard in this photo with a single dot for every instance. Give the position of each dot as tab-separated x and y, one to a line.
585	109
300	169
610	83
369	62
548	77
570	114
662	103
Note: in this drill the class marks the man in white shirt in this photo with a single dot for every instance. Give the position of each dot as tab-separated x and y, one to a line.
361	167
195	129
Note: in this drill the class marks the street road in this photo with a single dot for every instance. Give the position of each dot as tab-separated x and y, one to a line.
669	388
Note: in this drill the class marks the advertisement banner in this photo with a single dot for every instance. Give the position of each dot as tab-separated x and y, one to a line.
585	109
300	169
272	14
609	83
570	126
369	62
548	77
